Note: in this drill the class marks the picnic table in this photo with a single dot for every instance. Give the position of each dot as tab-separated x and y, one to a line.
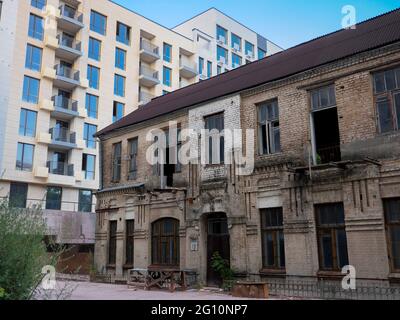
160	277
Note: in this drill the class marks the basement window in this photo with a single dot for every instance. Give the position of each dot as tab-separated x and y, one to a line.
268	128
325	126
387	100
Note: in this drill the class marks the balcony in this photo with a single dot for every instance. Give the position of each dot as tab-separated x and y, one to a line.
68	48
148	52
62	139
64	108
60	168
70	19
328	154
66	77
148	77
188	69
145	97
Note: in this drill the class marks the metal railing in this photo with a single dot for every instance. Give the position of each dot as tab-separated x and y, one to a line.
328	154
148	72
62	135
65	103
68	206
331	290
60	168
145	97
147	46
69	42
71	13
66	72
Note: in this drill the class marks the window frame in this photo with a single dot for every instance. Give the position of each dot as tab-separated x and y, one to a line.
89	174
24	125
35	33
86	135
133	153
322	230
167	58
129	242
116	162
167	82
276	231
29	97
23	161
225	34
20	192
270	129
93	84
118	86
158	235
388	228
29	63
118	36
54	206
91	50
112	242
81	207
88	105
115	110
118	52
209	138
264	53
93	24
235	36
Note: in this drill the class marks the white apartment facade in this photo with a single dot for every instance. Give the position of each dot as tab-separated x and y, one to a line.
71	67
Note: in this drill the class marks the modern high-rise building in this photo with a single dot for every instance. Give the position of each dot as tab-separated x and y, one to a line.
69	68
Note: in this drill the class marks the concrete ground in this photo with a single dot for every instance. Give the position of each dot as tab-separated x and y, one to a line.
101	291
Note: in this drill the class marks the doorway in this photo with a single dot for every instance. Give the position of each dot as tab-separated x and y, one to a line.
217	241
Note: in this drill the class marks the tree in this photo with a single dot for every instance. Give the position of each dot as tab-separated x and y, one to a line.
23	252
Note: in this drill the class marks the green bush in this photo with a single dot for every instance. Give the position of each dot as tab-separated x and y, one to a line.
221	266
23	252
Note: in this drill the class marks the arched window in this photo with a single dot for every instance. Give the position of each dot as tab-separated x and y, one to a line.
165	242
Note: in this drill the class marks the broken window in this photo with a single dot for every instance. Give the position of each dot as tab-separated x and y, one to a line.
133	150
165	242
268	128
326	136
116	162
215	140
273	246
130	230
332	240
112	243
387	99
392	219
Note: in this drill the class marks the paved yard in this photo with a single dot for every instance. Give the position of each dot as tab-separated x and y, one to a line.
100	291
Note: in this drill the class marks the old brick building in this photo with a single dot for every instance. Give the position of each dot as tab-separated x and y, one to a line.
325	190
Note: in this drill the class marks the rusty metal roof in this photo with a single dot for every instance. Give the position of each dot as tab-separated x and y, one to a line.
368	35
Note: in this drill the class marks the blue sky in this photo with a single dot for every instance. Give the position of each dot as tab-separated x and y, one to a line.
285	22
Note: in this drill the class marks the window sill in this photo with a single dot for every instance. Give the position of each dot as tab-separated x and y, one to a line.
273	272
333	275
216	165
127	266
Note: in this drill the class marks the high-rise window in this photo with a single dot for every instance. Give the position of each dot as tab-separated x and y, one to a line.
36	28
112	243
53	198
236	61
129	241
249	49
222	55
236	42
40	4
85	201
92	105
167	76
94	49
93	75
201	65
118	111
331	235
30	91
25	156
123	33
98	22
273	248
167	52
88	166
222	35
392	219
268	127
120	58
119	85
133	150
261	53
116	162
215	140
1	7
18	194
209	69
387	99
27	123
33	58
88	132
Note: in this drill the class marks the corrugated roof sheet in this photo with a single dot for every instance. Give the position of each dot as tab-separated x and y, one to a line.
370	34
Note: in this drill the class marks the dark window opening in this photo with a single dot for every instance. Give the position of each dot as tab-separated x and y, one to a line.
268	126
18	195
332	240
129	240
165	242
53	198
112	244
273	244
392	219
215	138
